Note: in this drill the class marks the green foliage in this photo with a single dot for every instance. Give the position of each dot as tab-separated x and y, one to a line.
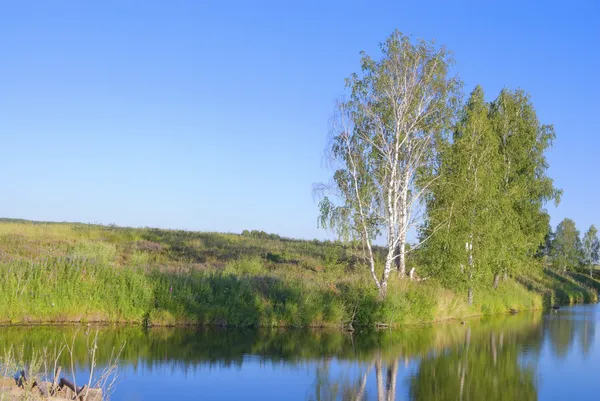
566	252
383	137
591	249
486	215
524	183
465	202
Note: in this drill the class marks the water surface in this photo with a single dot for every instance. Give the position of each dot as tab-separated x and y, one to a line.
528	356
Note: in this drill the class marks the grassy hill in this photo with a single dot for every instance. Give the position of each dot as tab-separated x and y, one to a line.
64	272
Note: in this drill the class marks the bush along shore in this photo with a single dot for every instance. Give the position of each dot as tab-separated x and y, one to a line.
67	273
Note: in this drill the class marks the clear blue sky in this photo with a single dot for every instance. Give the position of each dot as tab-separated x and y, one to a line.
214	115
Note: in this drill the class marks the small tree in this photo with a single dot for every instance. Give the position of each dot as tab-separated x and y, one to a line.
384	136
591	249
566	246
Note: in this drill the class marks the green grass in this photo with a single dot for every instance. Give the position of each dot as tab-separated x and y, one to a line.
60	272
585	280
562	288
67	290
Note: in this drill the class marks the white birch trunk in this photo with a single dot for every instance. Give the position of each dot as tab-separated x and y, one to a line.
391	381
403	229
469	247
360	394
402	257
379	378
387	268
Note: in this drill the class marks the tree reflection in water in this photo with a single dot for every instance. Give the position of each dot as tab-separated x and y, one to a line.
487	359
477	370
493	359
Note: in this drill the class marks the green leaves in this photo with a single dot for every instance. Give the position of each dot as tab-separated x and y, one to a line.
523	142
465	199
566	252
403	143
490	192
384	142
591	248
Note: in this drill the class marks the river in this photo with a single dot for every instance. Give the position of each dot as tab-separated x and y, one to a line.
529	356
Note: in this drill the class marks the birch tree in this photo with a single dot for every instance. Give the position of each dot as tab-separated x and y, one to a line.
524	182
383	137
566	246
465	202
490	193
591	249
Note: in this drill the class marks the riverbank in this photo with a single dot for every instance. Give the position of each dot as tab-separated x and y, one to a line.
66	273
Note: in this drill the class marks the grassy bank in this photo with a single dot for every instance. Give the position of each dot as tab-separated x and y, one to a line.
76	273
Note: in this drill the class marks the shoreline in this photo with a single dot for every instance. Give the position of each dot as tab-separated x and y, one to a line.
333	327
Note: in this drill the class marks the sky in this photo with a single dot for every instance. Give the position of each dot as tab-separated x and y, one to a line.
214	115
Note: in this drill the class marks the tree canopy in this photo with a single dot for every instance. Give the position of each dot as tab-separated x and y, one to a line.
490	192
591	249
566	251
383	137
471	178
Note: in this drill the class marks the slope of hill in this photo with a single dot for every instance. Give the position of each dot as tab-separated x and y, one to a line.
69	272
